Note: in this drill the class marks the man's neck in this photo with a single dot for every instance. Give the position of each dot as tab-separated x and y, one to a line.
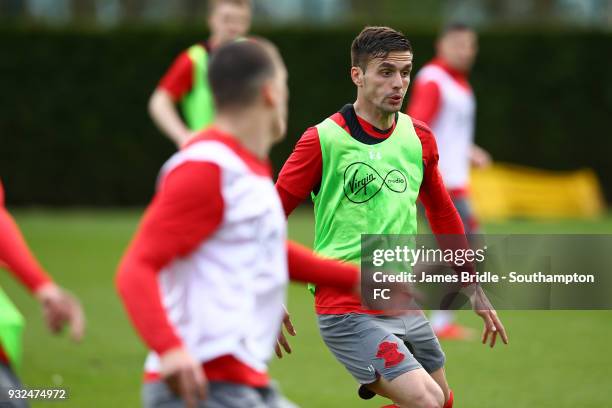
249	129
214	42
449	68
372	115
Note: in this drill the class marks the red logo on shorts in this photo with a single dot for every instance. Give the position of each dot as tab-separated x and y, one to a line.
388	351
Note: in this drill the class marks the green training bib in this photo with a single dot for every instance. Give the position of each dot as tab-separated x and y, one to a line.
366	189
198	105
11	329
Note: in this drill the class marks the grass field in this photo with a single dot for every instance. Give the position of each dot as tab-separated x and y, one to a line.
555	359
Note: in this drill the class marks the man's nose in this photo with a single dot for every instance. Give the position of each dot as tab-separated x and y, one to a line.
398	81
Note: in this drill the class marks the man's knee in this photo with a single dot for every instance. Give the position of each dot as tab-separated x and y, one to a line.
426	401
429	395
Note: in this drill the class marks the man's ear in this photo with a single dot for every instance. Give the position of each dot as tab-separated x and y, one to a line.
357	76
268	94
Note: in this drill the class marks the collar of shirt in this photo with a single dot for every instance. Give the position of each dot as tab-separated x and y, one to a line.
260	166
459	76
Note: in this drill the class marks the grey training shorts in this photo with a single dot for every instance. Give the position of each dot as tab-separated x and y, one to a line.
220	395
370	346
9	381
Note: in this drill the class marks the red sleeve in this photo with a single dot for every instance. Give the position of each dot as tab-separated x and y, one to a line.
425	101
301	173
289	201
179	78
186	210
305	266
16	256
441	213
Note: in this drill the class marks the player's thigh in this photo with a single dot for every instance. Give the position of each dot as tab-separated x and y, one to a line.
413	389
439	376
366	349
416	332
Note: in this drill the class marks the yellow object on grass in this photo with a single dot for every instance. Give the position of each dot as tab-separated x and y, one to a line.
505	191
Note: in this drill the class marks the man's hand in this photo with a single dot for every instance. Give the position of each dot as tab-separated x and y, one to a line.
282	340
167	118
184	376
61	308
479	157
484	309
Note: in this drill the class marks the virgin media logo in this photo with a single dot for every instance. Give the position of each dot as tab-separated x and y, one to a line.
362	182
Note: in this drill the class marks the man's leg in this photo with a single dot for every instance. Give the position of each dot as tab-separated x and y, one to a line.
416	332
379	359
464	208
414	389
439	376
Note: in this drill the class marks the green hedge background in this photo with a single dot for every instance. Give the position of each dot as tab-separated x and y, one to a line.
75	129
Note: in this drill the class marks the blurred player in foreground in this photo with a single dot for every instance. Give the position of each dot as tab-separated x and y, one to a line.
344	162
186	82
204	279
59	307
443	98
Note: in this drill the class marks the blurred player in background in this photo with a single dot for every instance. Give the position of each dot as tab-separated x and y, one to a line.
443	98
205	277
343	162
59	307
186	82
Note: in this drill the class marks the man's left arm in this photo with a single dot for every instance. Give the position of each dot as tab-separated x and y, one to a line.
447	226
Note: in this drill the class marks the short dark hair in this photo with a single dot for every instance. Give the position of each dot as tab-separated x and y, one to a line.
238	69
454	27
212	4
377	42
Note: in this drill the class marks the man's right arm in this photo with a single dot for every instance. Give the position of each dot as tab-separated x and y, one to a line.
186	210
306	267
162	104
302	171
59	306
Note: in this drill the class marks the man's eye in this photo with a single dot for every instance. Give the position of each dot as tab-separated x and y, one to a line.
406	74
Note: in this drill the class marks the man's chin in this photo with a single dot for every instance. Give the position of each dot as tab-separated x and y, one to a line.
391	109
279	135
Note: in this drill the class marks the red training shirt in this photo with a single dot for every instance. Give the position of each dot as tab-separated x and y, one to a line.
301	175
178	80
